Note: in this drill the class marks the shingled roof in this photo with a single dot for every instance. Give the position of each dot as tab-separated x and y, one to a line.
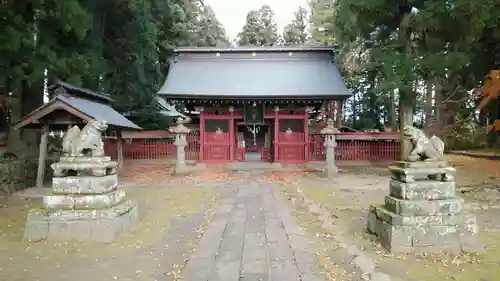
82	107
254	73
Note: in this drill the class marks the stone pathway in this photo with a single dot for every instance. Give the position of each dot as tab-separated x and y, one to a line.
253	237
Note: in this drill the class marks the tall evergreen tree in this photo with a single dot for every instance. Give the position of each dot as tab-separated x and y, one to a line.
260	28
321	22
414	44
295	33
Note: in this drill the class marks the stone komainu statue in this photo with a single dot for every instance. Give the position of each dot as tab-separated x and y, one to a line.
424	148
76	142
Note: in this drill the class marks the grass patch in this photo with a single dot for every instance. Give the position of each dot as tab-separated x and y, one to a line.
158	207
431	267
328	254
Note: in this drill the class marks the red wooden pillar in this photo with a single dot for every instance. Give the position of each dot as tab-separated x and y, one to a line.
276	133
202	134
232	139
306	134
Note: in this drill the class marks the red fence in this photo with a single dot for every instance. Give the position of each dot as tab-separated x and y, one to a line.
358	147
351	147
154	148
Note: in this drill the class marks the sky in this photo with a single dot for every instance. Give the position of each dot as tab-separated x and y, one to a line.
232	13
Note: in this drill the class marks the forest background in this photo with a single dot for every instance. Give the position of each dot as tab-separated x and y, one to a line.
421	62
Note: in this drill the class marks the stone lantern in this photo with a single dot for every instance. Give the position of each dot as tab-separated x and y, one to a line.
180	132
329	131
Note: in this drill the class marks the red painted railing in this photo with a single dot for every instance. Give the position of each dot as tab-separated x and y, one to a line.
351	147
153	148
358	146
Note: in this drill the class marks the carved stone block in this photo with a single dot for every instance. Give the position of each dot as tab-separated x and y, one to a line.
97	169
382	214
85	202
413	174
424	207
422	190
84	184
84	159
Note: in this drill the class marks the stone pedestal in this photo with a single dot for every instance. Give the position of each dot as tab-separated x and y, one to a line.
422	212
86	203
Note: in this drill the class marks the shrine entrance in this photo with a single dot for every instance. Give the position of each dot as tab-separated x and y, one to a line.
281	135
254	142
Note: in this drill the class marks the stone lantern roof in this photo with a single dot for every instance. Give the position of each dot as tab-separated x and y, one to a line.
180	128
329	129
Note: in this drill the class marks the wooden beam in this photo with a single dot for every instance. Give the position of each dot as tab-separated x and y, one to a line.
40	174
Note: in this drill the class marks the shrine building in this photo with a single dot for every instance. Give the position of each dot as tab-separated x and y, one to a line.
255	104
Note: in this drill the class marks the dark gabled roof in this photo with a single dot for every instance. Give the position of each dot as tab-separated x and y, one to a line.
254	49
79	107
61	87
254	73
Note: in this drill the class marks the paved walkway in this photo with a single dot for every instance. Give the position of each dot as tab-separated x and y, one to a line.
253	237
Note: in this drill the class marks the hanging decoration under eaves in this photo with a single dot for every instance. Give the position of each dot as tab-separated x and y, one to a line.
254	113
249	101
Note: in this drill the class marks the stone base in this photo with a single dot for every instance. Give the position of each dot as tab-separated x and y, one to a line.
330	172
422	190
410	172
101	226
182	170
431	234
452	205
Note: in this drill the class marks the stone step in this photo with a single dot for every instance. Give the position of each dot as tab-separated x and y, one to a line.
84	185
422	190
433	234
102	227
424	207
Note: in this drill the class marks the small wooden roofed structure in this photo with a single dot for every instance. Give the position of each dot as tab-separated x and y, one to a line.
81	104
71	105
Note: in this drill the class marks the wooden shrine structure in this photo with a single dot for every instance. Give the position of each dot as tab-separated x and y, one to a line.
255	103
70	105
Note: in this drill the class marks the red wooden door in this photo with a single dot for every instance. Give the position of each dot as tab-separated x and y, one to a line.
217	144
291	147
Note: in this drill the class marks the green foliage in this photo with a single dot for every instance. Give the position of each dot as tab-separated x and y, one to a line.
260	29
414	43
16	174
295	33
120	47
199	27
322	23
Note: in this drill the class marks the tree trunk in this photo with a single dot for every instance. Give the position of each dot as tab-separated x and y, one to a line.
392	112
428	107
405	119
492	116
439	124
14	136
